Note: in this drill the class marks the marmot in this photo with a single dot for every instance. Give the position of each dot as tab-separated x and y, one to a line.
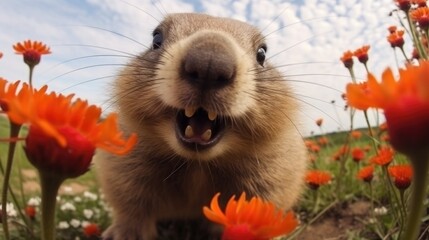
211	116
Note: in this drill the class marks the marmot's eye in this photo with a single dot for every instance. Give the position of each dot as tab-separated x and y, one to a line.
260	55
157	40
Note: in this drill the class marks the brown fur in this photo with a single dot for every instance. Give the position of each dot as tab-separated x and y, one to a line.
261	151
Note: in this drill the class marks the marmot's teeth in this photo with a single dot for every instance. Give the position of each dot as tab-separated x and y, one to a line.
190	111
189	132
206	135
212	115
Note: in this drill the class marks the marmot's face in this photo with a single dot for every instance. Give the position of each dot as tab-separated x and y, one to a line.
197	88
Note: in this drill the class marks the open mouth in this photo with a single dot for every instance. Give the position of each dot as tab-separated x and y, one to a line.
198	129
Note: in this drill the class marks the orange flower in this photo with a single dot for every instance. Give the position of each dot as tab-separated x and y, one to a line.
309	143
396	39
250	220
392	29
63	134
319	122
9	91
315	148
52	111
31	51
356	134
323	141
358	154
91	230
421	16
357	95
402	175
404	5
30	211
383	157
385	138
336	157
405	102
383	127
347	59
362	54
366	174
419	3
316	178
341	152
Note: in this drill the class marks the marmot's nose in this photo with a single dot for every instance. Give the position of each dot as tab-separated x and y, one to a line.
210	62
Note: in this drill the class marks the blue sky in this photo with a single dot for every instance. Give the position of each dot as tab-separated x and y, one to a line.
91	39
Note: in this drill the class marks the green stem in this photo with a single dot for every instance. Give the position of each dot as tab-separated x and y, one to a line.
13	197
1	167
405	55
342	171
28	223
377	117
352	75
391	191
49	185
316	201
371	198
404	210
30	77
314	163
396	58
420	163
366	68
21	183
415	38
337	115
371	133
427	37
14	131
